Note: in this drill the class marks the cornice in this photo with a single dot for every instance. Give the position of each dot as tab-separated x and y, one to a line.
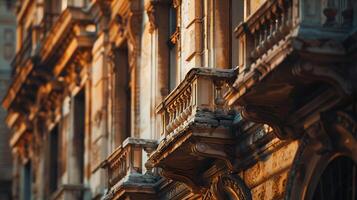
16	84
64	26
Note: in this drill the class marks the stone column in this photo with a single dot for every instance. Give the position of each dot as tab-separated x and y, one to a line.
159	28
221	34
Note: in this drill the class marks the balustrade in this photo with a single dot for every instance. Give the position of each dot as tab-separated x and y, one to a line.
265	28
127	159
198	98
268	29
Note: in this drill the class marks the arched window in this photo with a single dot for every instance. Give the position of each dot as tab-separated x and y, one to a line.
338	181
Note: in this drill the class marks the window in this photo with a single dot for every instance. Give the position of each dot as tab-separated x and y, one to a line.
53	159
27	181
78	136
122	96
338	181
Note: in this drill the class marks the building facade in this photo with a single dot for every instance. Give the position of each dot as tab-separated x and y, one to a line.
184	99
7	51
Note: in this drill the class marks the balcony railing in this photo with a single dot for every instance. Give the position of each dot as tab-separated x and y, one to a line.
199	98
23	54
277	21
265	28
127	159
196	125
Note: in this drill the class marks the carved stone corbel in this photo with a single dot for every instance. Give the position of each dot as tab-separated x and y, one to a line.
190	181
228	186
261	114
340	122
214	151
320	138
325	74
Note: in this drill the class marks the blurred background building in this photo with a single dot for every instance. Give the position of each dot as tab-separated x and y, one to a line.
182	99
7	52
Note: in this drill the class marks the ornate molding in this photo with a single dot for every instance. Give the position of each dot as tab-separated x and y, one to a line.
228	185
327	74
262	114
191	182
151	9
218	151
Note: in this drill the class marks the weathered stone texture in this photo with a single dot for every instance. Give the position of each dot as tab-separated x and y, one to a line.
179	99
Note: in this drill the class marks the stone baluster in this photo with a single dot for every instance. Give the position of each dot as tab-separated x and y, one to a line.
175	122
178	108
173	113
219	100
283	16
148	165
330	13
347	14
270	27
169	126
187	103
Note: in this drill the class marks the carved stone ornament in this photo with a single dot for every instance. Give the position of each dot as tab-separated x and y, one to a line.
151	12
262	114
334	134
228	186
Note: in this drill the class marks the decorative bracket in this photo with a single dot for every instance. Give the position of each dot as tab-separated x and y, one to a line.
228	185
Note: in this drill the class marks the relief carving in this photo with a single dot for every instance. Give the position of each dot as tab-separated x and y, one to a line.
213	151
228	186
334	131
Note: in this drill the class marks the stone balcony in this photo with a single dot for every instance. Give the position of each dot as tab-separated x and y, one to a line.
195	128
125	171
307	45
